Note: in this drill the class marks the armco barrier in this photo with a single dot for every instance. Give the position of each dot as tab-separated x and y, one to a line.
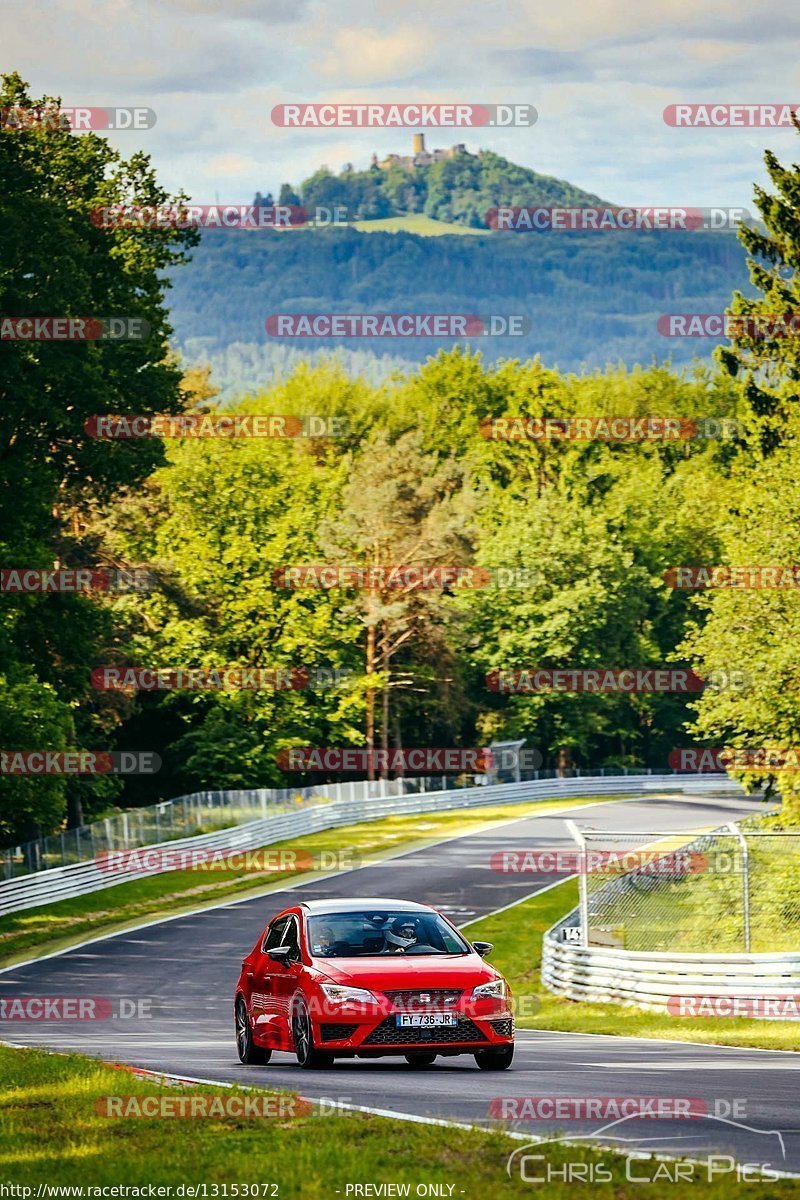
61	883
648	980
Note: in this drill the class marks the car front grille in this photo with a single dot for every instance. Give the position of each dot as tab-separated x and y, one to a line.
423	999
336	1033
504	1027
388	1034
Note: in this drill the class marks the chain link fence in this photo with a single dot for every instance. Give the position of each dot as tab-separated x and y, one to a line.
204	812
726	891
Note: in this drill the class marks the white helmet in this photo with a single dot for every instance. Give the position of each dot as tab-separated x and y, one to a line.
402	933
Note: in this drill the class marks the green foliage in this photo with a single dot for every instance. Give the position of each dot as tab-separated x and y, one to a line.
415	482
460	189
591	299
768	360
55	262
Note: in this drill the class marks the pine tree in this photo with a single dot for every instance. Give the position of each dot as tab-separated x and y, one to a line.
765	356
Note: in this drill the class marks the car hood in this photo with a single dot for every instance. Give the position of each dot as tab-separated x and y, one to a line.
397	971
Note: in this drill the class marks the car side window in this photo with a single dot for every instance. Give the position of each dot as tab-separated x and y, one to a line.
291	936
275	933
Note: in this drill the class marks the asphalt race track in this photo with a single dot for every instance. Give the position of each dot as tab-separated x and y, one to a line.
187	968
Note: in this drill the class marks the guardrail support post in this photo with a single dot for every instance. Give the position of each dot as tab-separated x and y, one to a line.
742	840
583	894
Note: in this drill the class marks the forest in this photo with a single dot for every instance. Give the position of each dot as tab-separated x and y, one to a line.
576	541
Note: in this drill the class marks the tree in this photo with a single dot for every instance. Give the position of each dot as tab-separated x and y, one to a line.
55	261
288	196
765	353
400	508
756	631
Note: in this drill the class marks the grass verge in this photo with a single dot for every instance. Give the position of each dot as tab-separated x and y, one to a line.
517	938
51	1135
59	925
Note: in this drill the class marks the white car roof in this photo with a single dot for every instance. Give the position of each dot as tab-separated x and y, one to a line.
362	903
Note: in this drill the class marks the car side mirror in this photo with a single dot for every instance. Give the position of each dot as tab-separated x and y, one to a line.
483	948
281	954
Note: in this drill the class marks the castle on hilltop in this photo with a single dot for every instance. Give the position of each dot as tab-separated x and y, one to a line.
420	156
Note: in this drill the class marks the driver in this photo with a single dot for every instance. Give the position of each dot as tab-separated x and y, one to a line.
325	941
401	934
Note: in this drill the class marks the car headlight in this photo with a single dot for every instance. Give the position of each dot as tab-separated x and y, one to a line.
338	994
496	989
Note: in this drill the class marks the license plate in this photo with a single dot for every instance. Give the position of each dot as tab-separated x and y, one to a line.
425	1020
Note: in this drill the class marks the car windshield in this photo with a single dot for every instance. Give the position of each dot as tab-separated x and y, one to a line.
381	931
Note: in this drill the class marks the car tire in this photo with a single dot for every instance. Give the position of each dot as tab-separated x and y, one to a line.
308	1056
249	1053
420	1059
495	1060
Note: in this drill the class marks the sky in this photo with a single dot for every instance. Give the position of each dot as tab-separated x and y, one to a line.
599	73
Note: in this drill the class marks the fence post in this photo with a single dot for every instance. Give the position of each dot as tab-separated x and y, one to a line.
742	840
583	894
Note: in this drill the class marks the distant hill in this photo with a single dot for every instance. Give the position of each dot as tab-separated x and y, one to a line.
457	187
592	298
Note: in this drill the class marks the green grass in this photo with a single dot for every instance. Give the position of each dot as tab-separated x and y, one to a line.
415	223
517	937
51	1133
58	925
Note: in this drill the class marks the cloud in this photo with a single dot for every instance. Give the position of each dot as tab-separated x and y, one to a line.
361	56
599	74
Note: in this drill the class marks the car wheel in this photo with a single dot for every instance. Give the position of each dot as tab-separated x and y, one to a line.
495	1060
308	1056
248	1051
420	1059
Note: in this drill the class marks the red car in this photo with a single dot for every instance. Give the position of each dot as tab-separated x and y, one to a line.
368	978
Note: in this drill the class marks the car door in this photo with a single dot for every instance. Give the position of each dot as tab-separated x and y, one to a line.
285	980
260	978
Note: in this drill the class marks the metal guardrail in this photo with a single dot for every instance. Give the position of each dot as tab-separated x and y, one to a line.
203	812
360	801
651	980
